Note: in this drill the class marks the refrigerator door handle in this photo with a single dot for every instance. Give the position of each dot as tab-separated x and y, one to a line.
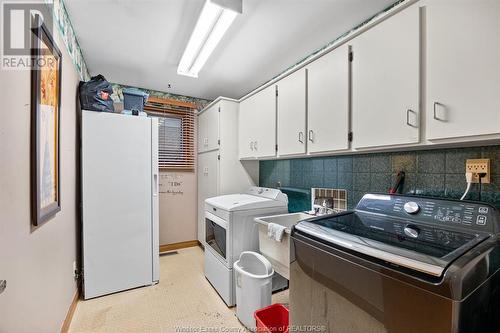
3	285
155	184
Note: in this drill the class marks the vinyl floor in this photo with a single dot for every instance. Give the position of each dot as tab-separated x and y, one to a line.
183	301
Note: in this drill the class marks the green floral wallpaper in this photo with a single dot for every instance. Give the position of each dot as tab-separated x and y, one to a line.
118	96
63	23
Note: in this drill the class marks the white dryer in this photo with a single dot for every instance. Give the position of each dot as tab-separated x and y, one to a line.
230	229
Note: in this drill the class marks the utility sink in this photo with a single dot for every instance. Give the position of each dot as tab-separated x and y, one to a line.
278	253
287	220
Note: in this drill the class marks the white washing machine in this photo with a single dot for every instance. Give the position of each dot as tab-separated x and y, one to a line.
230	229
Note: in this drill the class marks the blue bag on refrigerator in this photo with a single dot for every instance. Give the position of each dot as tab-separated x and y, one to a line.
95	94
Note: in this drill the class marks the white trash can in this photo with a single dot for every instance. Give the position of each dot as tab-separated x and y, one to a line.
253	275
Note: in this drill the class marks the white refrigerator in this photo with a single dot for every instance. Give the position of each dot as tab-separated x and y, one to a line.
119	161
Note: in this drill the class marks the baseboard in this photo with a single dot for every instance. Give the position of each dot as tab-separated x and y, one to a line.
177	246
71	312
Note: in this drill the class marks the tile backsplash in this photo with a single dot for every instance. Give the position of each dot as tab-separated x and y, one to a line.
439	172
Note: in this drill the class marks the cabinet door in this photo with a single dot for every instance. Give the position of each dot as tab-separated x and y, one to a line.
385	82
208	180
263	126
246	119
208	129
201	132
463	68
212	127
292	114
328	102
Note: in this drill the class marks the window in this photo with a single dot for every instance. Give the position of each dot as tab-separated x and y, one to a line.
175	132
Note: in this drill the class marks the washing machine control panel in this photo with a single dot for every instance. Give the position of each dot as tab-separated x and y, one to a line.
446	212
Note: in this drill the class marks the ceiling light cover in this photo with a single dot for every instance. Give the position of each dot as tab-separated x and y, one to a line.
212	24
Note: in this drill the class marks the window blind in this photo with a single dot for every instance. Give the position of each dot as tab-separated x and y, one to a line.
175	134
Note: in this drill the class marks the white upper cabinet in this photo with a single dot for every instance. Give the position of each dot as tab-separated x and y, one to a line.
328	102
463	68
292	114
264	124
385	82
208	129
257	125
246	117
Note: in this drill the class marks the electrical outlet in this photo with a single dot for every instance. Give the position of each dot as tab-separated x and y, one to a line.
477	166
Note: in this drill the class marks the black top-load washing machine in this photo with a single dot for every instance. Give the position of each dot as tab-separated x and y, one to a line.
398	264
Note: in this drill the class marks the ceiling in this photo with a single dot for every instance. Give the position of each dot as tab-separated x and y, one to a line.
140	43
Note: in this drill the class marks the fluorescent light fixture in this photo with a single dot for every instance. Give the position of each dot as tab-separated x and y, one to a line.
215	18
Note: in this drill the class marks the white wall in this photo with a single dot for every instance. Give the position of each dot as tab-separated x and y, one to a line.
178	203
37	264
178	208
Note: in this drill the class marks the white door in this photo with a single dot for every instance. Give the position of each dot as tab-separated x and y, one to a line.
328	102
246	119
117	202
209	125
463	68
385	82
264	123
292	114
208	183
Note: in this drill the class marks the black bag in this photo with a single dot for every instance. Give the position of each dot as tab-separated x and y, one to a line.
95	95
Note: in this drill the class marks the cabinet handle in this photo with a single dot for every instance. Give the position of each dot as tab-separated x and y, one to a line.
255	145
301	137
408	111
434	111
311	135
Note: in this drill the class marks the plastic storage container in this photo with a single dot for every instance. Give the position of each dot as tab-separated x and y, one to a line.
253	275
134	99
273	318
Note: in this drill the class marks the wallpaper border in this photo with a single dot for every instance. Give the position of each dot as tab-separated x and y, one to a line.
67	32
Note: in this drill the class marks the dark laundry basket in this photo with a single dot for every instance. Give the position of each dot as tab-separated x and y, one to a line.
272	319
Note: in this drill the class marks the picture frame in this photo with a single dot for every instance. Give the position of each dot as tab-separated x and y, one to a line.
46	74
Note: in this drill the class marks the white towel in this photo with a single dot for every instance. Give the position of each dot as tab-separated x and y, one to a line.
275	231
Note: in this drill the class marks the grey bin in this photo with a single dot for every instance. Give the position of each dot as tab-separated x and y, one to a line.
134	99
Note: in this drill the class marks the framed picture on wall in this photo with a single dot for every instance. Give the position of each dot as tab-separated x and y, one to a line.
45	114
